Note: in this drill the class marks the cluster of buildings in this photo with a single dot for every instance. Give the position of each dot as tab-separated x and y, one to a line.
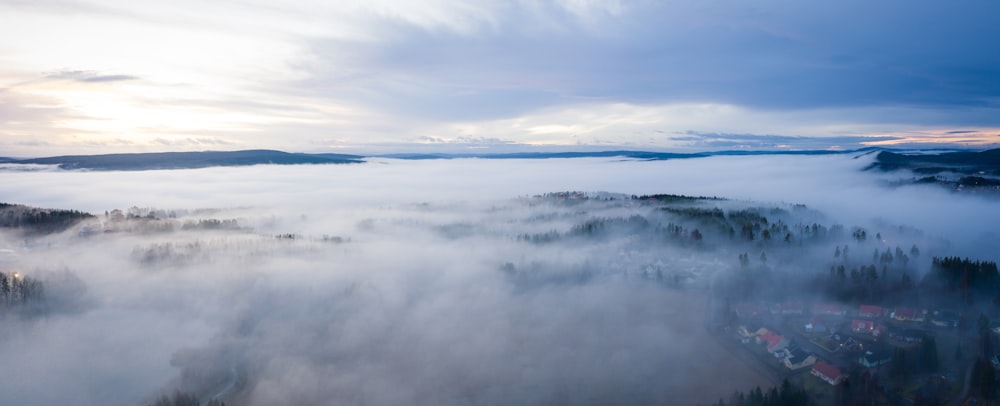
898	324
791	355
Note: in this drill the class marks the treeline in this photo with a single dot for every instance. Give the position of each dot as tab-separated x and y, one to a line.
965	277
786	395
599	227
183	399
889	278
38	219
710	224
158	225
670	198
169	253
211	224
17	290
752	224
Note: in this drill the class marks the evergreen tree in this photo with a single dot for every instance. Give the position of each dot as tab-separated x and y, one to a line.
929	354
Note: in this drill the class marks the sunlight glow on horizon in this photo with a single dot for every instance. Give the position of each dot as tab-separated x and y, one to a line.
306	75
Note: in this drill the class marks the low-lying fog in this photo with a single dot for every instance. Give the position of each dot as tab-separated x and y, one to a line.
418	282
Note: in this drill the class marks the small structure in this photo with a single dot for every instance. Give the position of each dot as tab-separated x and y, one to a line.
869	312
862	326
790	308
827	372
773	341
907	314
907	335
868	327
874	359
829	309
944	318
747	333
798	359
816	325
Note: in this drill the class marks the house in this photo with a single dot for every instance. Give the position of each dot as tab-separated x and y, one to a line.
747	333
944	318
907	335
827	372
799	359
773	341
869	312
816	325
873	359
789	308
862	326
829	309
868	327
758	336
907	314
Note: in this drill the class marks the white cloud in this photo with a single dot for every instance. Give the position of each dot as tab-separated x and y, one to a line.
389	71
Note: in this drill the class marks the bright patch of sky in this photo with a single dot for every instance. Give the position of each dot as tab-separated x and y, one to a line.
98	76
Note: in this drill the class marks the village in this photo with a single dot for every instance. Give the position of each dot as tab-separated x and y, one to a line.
865	354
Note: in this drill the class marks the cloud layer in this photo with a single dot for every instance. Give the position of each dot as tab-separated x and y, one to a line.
308	76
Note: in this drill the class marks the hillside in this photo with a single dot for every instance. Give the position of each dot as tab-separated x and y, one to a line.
969	163
187	160
38	220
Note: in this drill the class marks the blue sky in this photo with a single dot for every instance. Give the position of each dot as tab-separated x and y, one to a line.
377	76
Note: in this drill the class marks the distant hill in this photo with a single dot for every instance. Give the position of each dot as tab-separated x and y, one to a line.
187	160
344	157
959	171
648	155
969	163
38	220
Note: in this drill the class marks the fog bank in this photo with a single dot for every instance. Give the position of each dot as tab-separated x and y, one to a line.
419	282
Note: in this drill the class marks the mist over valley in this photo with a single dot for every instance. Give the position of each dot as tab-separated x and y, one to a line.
593	280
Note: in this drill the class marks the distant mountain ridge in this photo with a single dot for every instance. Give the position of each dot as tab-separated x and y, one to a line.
886	160
964	162
648	155
187	160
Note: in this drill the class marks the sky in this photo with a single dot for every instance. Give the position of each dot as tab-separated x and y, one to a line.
97	76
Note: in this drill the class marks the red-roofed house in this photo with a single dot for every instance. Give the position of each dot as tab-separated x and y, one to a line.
869	312
907	314
773	341
868	327
827	372
791	308
829	309
862	326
